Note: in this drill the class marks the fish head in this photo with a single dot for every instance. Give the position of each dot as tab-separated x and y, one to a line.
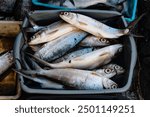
37	38
68	16
109	84
108	72
114	49
119	70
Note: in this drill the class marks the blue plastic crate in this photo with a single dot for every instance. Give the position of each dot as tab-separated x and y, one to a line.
131	10
132	7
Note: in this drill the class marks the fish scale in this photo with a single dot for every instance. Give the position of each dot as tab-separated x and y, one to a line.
93	26
6	61
53	50
79	79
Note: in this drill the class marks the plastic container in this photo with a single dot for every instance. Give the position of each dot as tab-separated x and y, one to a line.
130	8
127	59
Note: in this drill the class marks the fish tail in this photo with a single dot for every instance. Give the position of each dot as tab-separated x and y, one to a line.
39	60
27	73
132	25
35	26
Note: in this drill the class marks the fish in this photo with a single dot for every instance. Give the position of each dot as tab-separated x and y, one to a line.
51	32
84	3
78	79
90	60
92	41
44	82
96	27
57	48
35	48
6	61
119	70
74	54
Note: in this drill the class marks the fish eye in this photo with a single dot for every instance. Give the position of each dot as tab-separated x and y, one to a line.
120	49
66	13
103	40
117	67
114	86
108	71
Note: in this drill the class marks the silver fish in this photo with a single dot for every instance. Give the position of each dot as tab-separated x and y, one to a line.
84	3
60	46
93	26
44	82
79	79
51	32
6	61
90	60
36	47
74	54
116	67
92	41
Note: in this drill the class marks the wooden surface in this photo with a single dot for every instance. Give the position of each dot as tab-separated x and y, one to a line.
9	28
8	31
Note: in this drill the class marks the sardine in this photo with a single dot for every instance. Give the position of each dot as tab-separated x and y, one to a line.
119	70
84	3
74	54
44	82
79	79
61	45
6	61
51	32
92	41
93	26
87	3
90	60
35	48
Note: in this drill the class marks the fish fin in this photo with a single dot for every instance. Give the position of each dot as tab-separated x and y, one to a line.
105	54
25	73
53	31
94	73
32	22
132	25
72	2
82	23
78	59
39	60
31	30
22	74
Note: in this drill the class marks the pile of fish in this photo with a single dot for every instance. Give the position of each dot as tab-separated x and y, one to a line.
74	52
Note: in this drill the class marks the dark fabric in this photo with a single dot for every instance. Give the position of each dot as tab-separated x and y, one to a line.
144	48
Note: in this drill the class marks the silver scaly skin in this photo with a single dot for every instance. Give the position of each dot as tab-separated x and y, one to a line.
93	26
57	48
78	79
6	61
74	54
90	60
92	41
51	33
